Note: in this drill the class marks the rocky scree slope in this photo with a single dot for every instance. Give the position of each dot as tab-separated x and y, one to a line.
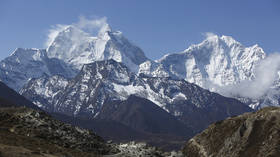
248	135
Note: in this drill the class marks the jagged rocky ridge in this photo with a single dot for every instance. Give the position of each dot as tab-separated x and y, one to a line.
248	135
105	82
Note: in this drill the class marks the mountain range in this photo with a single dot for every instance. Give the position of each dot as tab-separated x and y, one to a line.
219	64
107	79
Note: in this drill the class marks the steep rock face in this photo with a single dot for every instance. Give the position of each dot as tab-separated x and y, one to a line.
248	135
108	81
77	48
219	64
45	90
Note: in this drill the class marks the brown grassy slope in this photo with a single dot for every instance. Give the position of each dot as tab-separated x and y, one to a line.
248	135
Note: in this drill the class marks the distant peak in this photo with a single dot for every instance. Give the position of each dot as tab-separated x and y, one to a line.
24	50
229	40
73	29
214	39
104	29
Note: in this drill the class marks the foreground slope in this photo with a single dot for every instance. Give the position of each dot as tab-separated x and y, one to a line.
38	134
248	135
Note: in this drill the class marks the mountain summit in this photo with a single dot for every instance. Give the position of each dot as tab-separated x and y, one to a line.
75	47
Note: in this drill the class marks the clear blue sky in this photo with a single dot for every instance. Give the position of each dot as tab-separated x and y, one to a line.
157	26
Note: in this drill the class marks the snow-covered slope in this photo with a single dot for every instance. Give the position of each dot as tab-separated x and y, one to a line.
219	64
24	64
77	48
104	82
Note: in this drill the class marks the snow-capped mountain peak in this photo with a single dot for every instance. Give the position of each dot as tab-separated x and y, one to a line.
76	47
67	43
22	64
22	54
103	30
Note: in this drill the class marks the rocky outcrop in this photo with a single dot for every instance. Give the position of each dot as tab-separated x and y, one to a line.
248	135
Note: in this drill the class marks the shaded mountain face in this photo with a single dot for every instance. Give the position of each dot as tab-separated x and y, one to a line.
222	65
9	97
142	114
108	81
248	135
